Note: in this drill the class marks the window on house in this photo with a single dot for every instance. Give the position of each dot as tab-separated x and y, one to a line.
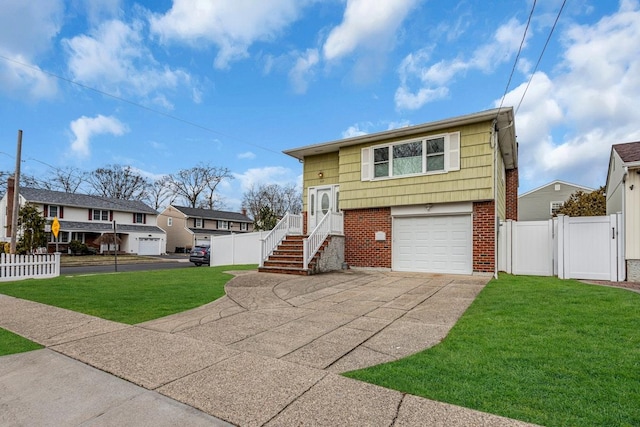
244	226
223	225
555	207
429	155
138	218
198	223
52	211
169	222
100	215
63	237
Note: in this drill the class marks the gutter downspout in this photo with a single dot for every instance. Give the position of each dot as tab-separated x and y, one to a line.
496	225
623	232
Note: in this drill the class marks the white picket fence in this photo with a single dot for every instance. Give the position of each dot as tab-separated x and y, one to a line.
19	267
571	248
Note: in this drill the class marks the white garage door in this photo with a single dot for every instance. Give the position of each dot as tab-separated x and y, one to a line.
148	246
434	244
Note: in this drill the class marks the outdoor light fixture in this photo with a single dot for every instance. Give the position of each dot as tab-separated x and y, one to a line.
320	174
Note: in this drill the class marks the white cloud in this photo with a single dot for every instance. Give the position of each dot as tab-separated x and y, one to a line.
367	24
231	25
302	71
27	30
353	131
567	122
114	58
86	128
365	128
422	82
247	155
266	175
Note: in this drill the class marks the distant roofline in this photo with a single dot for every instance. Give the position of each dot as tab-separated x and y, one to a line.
557	181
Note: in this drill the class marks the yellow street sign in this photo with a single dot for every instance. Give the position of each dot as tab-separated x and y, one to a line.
55	227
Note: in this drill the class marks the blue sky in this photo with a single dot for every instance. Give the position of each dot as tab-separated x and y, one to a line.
235	82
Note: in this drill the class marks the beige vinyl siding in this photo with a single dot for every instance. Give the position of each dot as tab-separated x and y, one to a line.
325	163
632	215
615	186
474	180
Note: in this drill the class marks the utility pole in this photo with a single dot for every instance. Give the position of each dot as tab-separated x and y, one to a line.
16	196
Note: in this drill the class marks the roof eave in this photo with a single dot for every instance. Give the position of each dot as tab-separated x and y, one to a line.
503	115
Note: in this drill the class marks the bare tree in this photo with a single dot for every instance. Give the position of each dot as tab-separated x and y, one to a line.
197	185
118	182
69	180
159	193
279	199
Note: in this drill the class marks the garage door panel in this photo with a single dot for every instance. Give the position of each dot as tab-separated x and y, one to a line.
438	244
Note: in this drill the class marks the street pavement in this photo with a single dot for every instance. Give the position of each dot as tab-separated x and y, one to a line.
269	353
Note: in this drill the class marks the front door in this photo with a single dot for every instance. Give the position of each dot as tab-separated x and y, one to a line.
321	200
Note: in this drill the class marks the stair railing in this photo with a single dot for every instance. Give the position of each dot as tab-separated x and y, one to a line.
331	222
289	224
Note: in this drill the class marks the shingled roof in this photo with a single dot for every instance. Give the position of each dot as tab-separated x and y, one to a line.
212	214
629	152
50	197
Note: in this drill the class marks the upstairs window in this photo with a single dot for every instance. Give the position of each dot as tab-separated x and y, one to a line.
99	215
52	211
169	222
223	225
244	226
139	218
435	154
197	222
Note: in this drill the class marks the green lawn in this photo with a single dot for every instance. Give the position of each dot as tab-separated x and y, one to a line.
128	297
11	343
548	351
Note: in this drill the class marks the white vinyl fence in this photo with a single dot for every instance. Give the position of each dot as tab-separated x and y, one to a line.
571	248
241	248
19	267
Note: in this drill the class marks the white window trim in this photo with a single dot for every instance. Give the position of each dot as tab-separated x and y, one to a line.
451	157
559	205
223	225
169	222
198	223
244	226
93	214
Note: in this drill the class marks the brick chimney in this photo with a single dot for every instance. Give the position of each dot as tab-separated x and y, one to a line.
10	189
244	211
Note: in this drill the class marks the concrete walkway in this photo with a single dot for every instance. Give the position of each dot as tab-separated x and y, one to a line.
269	353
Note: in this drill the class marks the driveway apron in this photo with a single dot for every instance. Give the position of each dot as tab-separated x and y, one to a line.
270	351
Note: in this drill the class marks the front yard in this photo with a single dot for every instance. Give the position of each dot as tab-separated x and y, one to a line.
548	351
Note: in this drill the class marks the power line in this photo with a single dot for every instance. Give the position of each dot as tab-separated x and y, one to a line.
135	104
515	62
541	54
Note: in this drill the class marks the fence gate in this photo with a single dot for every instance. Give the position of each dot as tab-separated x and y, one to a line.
572	248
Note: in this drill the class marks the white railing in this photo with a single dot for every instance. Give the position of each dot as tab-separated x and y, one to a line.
289	224
331	223
19	267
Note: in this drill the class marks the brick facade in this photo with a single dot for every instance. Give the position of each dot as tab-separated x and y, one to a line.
512	194
484	233
361	248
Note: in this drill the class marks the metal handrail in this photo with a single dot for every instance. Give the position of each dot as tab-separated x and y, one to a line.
289	224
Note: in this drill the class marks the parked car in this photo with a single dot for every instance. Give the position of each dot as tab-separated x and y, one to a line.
200	255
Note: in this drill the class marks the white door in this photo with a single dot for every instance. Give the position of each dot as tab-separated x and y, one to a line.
148	246
433	244
321	200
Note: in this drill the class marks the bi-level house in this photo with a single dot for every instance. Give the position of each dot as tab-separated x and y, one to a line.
425	198
188	227
85	218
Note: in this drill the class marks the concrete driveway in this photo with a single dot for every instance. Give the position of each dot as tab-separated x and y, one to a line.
269	352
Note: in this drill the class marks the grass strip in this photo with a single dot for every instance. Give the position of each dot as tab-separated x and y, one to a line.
128	297
539	349
11	343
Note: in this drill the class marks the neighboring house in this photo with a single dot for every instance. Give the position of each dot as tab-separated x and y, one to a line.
623	195
424	198
85	218
188	227
543	203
